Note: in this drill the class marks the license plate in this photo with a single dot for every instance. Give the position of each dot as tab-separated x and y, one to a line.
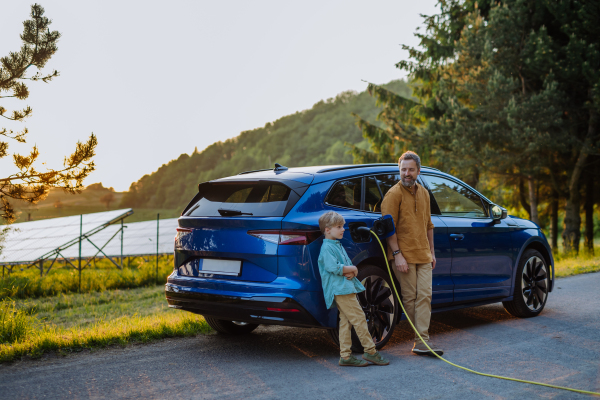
220	267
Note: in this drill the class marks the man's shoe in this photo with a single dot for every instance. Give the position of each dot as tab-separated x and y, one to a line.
352	362
422	350
376	358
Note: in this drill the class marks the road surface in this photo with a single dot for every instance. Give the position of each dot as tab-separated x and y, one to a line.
561	347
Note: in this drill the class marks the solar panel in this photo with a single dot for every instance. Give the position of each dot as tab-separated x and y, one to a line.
139	239
27	242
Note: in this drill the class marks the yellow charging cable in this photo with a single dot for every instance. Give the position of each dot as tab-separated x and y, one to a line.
458	366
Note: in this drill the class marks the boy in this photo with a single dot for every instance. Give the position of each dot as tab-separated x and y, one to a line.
340	285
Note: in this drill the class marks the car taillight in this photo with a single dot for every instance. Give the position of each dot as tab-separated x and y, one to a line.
286	237
181	232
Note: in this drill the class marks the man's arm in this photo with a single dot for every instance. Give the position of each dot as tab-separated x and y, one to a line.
399	260
430	227
391	206
430	240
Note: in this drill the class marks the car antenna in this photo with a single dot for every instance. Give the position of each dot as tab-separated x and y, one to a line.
279	167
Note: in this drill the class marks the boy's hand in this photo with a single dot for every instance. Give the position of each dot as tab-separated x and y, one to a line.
350	271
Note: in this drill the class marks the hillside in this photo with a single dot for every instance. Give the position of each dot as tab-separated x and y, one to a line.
311	137
94	198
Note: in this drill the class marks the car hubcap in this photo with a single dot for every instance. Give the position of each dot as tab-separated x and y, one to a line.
378	304
534	283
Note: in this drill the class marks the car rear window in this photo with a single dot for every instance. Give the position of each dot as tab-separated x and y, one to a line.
255	199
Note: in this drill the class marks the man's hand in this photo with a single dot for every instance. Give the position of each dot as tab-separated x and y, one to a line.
401	264
433	262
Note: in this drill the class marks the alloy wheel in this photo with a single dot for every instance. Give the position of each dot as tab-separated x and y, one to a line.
534	283
378	304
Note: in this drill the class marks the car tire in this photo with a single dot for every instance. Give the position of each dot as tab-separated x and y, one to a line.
230	327
532	282
379	304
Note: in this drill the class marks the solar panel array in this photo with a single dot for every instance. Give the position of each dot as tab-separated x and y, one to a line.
139	239
27	242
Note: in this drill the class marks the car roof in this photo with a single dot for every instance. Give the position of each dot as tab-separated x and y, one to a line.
323	173
319	173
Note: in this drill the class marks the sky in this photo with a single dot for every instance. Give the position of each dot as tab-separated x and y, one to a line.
156	79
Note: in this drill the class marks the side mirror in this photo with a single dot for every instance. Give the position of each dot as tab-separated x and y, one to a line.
497	213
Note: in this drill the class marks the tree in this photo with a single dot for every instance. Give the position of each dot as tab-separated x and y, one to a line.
510	88
107	199
28	183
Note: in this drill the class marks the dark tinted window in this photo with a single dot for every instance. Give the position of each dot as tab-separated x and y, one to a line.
346	194
386	182
372	195
455	199
258	199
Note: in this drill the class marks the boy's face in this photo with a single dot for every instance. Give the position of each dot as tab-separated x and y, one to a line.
336	232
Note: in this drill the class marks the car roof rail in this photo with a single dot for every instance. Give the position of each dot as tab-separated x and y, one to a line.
278	167
256	170
340	168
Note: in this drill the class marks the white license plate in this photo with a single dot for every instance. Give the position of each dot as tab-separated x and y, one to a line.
220	267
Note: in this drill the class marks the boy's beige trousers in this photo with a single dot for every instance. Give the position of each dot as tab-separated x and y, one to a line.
352	315
415	288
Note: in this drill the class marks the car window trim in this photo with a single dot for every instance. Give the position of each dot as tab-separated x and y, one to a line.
485	210
347	179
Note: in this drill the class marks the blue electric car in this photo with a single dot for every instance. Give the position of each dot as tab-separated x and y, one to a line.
247	246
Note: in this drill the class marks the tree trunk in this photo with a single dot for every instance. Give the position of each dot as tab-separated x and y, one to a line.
589	211
554	221
523	197
533	203
571	234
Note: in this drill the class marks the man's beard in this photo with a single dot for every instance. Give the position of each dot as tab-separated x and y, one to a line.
408	184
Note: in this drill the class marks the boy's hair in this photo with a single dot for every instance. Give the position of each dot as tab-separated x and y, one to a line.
329	219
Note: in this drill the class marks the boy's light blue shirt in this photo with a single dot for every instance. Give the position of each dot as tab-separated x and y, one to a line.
332	259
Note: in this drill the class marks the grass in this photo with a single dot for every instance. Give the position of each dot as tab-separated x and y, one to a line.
585	262
98	277
74	322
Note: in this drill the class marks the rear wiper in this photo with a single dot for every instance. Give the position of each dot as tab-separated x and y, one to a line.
231	213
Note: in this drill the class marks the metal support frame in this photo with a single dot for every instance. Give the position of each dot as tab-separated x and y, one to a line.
157	231
39	263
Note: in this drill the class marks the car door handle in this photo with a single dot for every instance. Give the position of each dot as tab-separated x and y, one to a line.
457	236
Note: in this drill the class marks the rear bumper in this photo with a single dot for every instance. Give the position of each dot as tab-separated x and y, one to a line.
271	310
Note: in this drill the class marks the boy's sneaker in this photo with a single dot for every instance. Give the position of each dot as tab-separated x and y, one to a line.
422	350
352	362
376	358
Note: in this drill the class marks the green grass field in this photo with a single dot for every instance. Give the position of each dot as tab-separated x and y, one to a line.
74	322
98	277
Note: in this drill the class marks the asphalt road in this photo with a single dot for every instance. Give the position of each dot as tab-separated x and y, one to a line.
561	347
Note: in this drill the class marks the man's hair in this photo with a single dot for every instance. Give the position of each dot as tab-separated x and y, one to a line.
329	219
410	155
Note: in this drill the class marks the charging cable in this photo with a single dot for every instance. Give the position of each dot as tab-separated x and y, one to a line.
458	366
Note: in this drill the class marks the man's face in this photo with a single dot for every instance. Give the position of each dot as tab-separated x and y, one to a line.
408	172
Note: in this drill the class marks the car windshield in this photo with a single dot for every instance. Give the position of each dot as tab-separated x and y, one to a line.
257	199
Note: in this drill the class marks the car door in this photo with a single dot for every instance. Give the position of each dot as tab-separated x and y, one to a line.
481	247
376	187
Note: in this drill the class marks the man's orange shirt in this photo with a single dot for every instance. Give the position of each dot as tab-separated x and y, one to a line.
412	218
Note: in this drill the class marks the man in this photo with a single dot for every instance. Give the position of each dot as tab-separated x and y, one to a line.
411	247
